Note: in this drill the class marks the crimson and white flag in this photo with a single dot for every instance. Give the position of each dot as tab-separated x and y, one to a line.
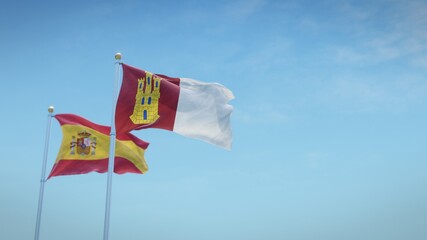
186	106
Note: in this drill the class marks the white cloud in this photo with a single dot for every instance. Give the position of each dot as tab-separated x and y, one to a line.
268	56
314	159
382	32
352	11
368	94
266	114
347	55
244	8
420	61
365	95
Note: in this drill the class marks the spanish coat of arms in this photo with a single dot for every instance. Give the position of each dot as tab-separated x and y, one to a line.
84	144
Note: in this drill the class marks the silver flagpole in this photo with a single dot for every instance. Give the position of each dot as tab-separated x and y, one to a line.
118	57
43	176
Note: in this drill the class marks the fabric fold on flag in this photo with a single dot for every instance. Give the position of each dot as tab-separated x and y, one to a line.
85	149
186	106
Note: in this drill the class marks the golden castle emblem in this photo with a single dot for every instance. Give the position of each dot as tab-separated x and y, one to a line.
147	100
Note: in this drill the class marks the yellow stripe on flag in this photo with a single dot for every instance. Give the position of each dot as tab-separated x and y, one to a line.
126	149
132	152
70	140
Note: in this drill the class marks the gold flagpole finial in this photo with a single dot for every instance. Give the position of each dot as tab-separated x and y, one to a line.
118	56
50	109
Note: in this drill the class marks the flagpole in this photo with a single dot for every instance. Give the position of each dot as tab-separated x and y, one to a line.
118	57
43	175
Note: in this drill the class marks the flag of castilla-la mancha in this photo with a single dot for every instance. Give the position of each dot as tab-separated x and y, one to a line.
85	148
186	106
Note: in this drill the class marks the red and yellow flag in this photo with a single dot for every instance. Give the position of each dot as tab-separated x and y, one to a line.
85	148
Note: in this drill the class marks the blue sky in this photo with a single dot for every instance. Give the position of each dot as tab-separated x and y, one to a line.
328	122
